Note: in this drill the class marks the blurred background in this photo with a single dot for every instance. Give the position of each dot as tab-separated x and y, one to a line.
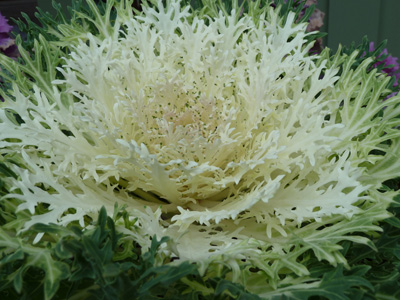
349	20
345	20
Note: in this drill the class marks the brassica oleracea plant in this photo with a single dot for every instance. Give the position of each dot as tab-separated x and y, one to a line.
213	126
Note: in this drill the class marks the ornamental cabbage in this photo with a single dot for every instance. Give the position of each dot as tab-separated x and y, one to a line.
216	128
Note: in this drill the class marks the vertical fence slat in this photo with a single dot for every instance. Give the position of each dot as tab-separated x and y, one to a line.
323	5
390	25
351	20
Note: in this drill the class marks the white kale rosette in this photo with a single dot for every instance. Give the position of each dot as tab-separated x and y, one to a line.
219	131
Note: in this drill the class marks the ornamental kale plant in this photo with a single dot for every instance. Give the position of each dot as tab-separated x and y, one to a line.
213	126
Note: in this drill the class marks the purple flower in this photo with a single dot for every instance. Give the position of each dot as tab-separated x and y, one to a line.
4	26
389	64
7	44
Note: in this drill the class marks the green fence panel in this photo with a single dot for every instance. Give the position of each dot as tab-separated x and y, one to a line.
389	23
350	20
